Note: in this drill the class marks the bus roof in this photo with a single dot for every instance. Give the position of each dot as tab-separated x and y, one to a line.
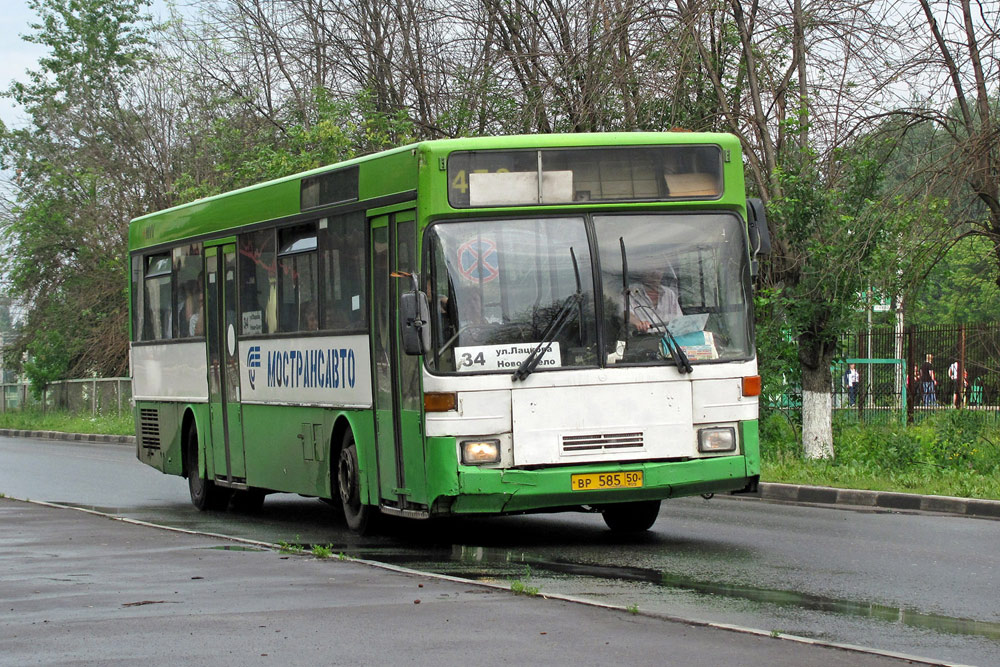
280	197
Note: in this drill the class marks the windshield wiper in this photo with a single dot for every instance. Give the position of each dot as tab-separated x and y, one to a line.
628	307
553	330
669	343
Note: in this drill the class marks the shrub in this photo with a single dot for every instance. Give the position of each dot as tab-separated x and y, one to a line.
778	436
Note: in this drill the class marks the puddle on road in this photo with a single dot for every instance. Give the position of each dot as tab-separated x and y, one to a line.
234	547
784	598
466	556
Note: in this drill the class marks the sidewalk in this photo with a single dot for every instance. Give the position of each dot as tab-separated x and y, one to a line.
768	490
82	588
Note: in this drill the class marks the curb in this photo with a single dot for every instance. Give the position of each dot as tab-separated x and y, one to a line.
73	437
792	493
825	495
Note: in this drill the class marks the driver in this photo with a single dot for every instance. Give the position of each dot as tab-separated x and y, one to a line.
653	299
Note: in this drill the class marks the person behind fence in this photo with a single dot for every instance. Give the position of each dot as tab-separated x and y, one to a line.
852	379
976	391
928	382
953	382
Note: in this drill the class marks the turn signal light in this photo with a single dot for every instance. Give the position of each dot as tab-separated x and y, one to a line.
440	401
751	385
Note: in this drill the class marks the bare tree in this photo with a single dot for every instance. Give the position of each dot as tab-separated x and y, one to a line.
807	79
959	70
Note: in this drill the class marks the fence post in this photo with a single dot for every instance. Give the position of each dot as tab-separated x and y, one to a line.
93	399
118	384
960	380
910	363
861	396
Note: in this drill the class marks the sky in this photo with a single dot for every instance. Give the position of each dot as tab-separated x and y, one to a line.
17	56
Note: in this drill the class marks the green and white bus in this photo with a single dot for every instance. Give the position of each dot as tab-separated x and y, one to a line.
467	326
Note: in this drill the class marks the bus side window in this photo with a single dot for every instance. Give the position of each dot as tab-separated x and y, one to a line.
297	278
342	267
258	283
137	318
444	313
157	304
189	278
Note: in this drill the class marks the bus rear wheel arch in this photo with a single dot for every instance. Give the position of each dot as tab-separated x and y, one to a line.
205	495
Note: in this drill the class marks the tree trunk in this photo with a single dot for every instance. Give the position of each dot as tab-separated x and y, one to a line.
817	405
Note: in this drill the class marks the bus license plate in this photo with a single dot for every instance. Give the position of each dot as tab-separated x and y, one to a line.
606	480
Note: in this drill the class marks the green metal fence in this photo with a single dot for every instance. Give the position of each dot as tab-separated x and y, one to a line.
965	360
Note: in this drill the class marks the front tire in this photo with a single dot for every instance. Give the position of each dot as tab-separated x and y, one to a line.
631	517
360	518
205	495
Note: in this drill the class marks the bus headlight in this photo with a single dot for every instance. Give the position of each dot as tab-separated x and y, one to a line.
712	440
478	452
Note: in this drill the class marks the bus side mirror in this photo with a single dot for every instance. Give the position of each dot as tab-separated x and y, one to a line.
414	322
760	238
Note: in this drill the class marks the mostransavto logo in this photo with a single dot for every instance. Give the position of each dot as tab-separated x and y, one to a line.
253	363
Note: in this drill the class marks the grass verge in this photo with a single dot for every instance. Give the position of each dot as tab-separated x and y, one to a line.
32	420
934	482
953	453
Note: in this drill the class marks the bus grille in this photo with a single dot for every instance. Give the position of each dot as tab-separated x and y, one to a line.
601	442
149	427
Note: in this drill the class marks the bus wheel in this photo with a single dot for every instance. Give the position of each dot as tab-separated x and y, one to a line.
205	495
631	517
359	517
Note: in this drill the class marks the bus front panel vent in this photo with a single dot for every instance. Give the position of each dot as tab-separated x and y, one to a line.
599	442
149	427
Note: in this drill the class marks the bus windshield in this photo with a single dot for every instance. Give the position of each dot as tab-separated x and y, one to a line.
500	288
687	273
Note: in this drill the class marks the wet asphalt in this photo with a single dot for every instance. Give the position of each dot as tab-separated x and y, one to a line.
82	589
914	584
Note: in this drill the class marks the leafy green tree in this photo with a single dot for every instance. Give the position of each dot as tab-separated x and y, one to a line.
241	154
49	358
960	288
79	179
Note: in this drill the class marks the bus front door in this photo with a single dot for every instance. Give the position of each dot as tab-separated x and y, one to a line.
223	366
398	395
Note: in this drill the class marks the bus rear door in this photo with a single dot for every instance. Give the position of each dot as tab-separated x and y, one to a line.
223	365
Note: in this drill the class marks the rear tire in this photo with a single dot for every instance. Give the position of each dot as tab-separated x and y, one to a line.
205	495
631	517
360	518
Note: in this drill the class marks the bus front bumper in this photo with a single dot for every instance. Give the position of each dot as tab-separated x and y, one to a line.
508	491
